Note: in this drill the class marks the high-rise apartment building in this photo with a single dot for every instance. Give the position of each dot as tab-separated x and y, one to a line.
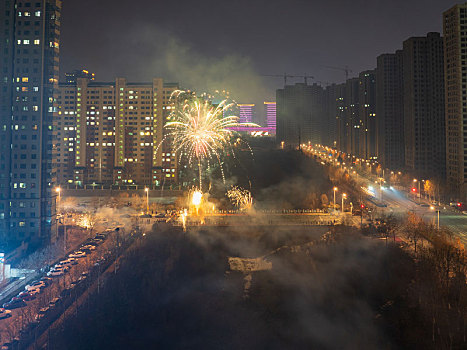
424	122
30	36
352	116
72	77
331	119
270	108
366	130
111	133
337	109
455	78
246	112
300	114
319	122
390	110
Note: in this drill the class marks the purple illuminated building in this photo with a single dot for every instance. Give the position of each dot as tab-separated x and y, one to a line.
246	112
270	108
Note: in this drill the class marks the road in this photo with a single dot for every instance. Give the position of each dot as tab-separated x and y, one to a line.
399	201
21	317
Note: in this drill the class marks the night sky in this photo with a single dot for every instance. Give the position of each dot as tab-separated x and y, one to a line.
218	44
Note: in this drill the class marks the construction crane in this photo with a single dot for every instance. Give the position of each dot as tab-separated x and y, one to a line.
344	69
285	76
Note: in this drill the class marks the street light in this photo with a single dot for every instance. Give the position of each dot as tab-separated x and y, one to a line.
343	197
415	180
58	190
433	208
147	199
335	189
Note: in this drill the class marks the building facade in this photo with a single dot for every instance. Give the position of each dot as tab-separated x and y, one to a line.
424	122
30	40
246	112
72	77
455	78
366	126
112	133
300	114
390	110
352	122
270	109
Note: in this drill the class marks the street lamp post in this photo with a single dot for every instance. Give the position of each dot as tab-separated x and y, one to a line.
335	189
419	193
58	190
343	197
437	211
147	199
415	180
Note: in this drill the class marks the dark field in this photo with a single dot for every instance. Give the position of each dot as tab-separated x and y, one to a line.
175	290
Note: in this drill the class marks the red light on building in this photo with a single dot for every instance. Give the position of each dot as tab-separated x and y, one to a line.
414	189
362	206
459	204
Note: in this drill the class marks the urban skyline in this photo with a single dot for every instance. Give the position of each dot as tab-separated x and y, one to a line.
190	175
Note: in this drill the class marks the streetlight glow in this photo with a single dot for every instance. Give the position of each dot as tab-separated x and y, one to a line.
147	199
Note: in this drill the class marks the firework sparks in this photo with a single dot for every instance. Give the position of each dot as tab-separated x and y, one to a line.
199	130
86	221
196	198
240	197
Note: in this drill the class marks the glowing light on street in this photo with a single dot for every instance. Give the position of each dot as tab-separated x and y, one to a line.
196	198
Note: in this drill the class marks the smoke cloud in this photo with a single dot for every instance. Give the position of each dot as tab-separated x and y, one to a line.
167	56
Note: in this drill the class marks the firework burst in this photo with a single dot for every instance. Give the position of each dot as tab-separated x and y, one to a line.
240	197
200	131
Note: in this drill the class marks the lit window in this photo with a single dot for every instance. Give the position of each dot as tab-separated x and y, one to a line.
26	42
25	79
37	42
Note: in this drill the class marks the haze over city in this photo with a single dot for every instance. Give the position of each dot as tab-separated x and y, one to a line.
233	175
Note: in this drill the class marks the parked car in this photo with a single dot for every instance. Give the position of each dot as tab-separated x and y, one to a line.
69	261
55	273
54	302
88	248
4	313
44	310
29	295
14	303
78	254
65	268
11	345
35	285
46	280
